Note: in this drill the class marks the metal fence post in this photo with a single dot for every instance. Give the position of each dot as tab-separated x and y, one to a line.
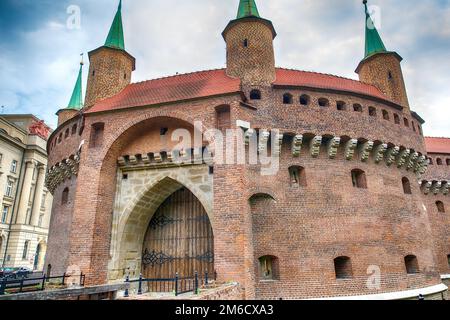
206	277
196	283
140	284
176	284
43	283
2	287
63	279
127	294
21	284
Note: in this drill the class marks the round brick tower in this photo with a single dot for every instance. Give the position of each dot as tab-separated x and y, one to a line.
110	65
381	67
250	53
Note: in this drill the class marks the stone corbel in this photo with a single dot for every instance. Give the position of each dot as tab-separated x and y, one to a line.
365	150
391	155
121	161
278	143
419	163
404	154
379	152
333	146
350	148
412	161
316	142
263	138
133	160
297	143
426	187
445	188
436	187
157	156
247	136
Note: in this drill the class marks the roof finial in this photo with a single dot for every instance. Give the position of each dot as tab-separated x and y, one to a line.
247	8
82	59
115	37
374	44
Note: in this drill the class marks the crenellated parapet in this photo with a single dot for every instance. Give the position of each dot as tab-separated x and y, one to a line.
61	172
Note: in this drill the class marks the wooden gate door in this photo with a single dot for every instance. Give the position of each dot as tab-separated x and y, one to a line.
179	239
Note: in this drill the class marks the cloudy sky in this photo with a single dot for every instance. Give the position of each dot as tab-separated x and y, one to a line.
40	51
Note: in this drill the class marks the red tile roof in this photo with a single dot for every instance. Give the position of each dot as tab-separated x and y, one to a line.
171	89
437	145
216	82
288	77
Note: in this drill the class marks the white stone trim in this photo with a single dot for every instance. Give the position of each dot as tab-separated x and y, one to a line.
445	276
399	295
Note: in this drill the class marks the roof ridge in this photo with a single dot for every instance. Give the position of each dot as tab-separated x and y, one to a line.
322	73
447	138
178	75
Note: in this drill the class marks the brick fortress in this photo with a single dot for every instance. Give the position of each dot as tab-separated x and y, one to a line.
358	206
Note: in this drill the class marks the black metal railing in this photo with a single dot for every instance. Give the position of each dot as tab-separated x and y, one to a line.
35	284
178	285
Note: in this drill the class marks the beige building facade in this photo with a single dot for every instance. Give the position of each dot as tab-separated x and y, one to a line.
25	202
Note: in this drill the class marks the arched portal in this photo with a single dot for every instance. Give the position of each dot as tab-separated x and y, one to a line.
179	239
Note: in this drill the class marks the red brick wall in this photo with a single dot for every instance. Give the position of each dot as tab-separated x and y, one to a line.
306	228
60	227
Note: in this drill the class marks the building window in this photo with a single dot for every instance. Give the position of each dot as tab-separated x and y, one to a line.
413	126
448	260
97	134
255	95
396	118
386	115
411	264
65	196
14	166
406	186
66	134
343	268
439	161
297	176
41	218
304	100
357	107
340	105
163	131
5	213
25	250
448	162
430	161
390	77
359	179
60	138
287	98
324	102
405	120
9	188
268	268
372	112
245	42
420	129
440	206
74	129
223	116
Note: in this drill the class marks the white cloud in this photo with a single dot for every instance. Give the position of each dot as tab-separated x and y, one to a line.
182	36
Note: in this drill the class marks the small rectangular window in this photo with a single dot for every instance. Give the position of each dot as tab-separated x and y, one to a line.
14	166
25	250
5	213
9	188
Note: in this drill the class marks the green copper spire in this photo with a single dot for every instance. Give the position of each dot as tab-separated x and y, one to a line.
247	8
115	37
374	44
76	101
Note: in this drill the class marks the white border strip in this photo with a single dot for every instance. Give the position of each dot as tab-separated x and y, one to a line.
396	295
445	276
